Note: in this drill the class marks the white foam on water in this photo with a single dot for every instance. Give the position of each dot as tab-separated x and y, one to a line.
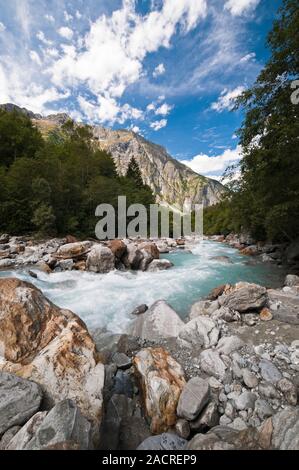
108	299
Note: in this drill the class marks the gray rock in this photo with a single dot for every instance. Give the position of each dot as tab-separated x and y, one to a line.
182	428
285	435
140	309
64	427
4	238
226	438
289	391
100	259
262	409
267	390
195	395
118	408
26	433
269	371
250	380
291	280
121	360
245	297
133	431
284	306
200	332
165	441
207	419
107	343
229	344
212	364
7	437
238	424
160	321
203	307
245	401
159	265
66	264
19	400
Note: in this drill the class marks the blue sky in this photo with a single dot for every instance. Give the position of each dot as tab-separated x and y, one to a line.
168	69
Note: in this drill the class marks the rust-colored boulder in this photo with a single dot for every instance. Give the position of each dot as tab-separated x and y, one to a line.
118	247
150	248
161	381
49	345
73	250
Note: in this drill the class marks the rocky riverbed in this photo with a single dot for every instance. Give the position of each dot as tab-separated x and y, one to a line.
225	378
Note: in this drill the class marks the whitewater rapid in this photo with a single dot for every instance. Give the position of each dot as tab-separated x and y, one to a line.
108	299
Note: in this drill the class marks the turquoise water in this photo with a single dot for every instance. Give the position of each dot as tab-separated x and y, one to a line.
108	299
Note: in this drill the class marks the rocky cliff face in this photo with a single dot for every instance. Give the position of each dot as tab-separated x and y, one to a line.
173	183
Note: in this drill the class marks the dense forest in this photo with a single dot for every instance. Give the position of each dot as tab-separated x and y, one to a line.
52	186
265	199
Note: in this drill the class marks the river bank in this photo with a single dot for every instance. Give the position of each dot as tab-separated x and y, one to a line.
214	365
225	378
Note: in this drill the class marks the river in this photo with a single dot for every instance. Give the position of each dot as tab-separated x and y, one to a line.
107	299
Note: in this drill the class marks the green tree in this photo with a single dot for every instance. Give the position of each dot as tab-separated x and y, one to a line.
134	173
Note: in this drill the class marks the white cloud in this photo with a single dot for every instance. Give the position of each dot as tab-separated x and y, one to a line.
50	18
226	100
239	7
151	107
157	125
35	57
135	129
248	57
159	70
78	15
107	110
51	52
66	32
163	110
2	27
207	165
42	38
67	16
115	47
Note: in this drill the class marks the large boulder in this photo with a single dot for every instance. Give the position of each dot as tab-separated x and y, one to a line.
160	321
161	380
285	435
100	259
194	397
73	250
159	265
133	257
150	248
284	306
50	346
24	435
226	438
118	247
291	280
244	297
63	428
19	400
200	332
203	307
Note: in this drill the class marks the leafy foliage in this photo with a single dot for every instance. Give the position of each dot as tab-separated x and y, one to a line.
53	186
266	199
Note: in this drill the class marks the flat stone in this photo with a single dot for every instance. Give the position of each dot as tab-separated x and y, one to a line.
250	380
159	265
164	441
269	371
245	401
195	395
63	427
245	297
263	409
229	344
207	419
121	360
212	364
284	306
285	434
19	400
